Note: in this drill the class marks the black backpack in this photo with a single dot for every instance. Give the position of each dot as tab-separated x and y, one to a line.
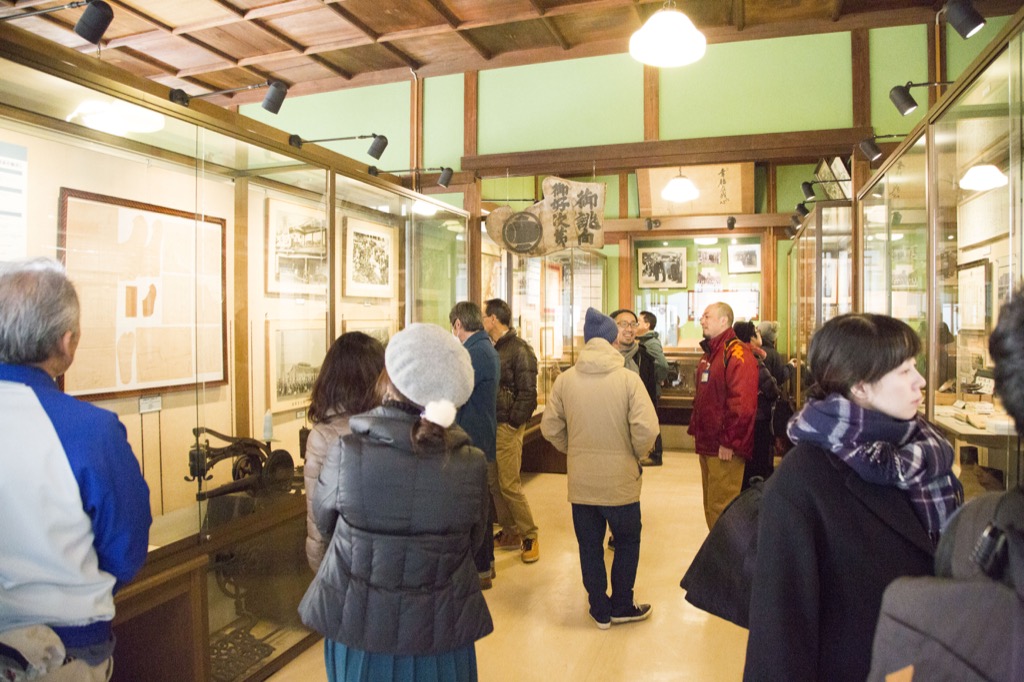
967	623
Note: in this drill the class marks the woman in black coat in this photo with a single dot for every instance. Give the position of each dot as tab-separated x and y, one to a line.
858	502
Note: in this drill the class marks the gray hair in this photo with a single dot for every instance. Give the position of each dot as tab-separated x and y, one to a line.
38	305
769	331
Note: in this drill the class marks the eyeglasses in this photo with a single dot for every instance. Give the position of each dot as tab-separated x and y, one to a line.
627	325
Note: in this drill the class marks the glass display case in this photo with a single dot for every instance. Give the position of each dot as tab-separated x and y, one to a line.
215	264
942	249
821	267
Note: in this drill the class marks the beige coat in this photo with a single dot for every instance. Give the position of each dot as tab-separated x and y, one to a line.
321	438
600	415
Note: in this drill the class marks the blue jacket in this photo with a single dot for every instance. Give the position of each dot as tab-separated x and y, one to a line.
74	509
479	416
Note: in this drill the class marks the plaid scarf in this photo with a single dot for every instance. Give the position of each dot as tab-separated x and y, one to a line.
910	455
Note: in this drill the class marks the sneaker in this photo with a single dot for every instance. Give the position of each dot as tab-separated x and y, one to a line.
531	550
633	613
648	462
507	540
601	624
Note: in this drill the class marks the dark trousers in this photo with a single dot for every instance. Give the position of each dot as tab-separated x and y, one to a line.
762	461
590	523
483	557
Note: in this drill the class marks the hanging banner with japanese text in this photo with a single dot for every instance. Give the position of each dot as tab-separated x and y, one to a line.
569	215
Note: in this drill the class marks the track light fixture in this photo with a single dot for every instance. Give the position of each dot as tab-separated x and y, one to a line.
272	102
902	99
808	189
802	209
730	223
871	150
961	15
377	147
91	25
444	180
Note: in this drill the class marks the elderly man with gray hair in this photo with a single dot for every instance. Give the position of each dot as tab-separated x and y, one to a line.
74	508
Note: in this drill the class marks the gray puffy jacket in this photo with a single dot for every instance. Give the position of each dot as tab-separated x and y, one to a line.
398	576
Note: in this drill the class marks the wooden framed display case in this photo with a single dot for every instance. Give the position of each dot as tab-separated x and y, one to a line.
962	238
224	234
821	278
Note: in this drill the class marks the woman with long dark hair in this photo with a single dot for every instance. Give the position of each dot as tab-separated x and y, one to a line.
403	499
859	501
346	385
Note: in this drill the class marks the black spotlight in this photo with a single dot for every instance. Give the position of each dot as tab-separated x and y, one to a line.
801	208
869	149
961	15
91	26
272	101
730	223
377	147
902	99
808	189
446	177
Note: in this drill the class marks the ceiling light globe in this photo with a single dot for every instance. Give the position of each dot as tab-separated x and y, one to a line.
668	39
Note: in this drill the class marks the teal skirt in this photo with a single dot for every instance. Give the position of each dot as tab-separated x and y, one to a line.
352	665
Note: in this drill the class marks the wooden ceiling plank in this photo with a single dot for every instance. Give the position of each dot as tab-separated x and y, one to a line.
134	39
449	16
409	61
739	14
355	21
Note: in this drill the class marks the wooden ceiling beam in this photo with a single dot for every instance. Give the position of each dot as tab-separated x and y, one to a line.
837	9
798	147
739	14
549	25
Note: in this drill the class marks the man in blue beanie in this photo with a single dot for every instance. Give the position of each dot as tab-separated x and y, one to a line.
600	415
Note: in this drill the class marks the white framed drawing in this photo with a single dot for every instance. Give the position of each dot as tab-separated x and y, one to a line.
709	256
370	260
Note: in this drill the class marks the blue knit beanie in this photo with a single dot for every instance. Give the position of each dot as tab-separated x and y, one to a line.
597	325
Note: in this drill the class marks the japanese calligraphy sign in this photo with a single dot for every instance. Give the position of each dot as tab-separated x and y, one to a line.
724	188
570	215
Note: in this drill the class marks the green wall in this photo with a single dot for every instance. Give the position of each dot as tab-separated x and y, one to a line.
574	103
382	109
898	55
787	185
761	86
443	122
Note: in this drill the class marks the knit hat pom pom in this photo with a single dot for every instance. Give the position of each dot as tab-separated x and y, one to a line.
440	412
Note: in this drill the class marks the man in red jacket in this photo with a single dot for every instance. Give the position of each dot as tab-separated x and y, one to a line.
722	422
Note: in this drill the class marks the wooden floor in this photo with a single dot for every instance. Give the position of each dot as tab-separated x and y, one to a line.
541	628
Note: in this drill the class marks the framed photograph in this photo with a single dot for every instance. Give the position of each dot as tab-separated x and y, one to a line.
975	296
151	281
709	279
370	260
295	351
709	256
382	330
744	258
662	267
296	248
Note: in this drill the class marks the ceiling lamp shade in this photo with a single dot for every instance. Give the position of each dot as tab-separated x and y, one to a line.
91	25
983	177
276	93
377	147
961	15
667	39
680	189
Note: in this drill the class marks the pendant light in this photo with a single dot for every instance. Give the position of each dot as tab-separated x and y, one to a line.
667	39
983	177
680	189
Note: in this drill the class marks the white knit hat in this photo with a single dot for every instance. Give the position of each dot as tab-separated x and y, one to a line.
432	369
